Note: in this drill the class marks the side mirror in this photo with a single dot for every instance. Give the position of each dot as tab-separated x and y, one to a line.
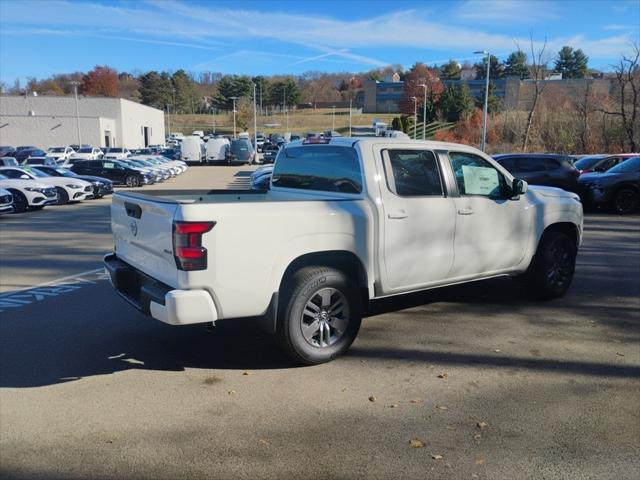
519	187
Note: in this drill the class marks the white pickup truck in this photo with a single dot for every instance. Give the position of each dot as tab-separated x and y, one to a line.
346	221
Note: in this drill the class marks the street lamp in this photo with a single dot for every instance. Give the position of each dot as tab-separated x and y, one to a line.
75	91
255	123
213	114
284	106
483	141
333	118
350	113
234	115
415	116
424	112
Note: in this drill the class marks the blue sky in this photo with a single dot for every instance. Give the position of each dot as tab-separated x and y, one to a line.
42	37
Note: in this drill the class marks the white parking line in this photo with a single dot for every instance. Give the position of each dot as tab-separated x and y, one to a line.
54	288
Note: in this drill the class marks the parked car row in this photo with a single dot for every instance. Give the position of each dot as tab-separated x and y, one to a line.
40	181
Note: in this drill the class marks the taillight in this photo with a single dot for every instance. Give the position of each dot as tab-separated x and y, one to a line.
187	245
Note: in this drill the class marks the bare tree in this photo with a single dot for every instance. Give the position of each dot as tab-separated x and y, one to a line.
627	96
537	71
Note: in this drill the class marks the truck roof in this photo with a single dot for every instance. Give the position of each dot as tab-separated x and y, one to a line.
366	141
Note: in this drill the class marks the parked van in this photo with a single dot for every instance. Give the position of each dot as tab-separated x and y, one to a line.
198	133
217	149
192	149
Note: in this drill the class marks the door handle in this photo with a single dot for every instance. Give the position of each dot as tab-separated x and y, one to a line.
465	211
398	215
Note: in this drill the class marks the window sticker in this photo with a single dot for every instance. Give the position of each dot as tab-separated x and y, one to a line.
480	180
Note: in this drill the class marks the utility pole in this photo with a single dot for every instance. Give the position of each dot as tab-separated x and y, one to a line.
424	113
284	105
415	116
260	95
350	113
255	123
75	91
483	140
168	119
234	116
333	119
213	110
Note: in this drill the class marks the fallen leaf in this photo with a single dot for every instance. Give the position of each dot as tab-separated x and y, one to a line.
417	400
231	392
263	441
393	405
109	441
497	350
443	375
437	456
246	374
442	407
482	424
373	398
479	461
477	436
415	443
620	354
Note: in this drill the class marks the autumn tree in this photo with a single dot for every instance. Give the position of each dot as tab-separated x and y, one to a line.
102	81
419	75
537	71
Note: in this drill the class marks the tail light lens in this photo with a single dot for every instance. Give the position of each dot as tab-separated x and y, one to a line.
187	245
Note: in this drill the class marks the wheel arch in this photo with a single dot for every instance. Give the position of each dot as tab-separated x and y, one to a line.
571	230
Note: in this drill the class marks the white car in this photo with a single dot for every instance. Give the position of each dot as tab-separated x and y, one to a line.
346	221
6	201
116	153
87	153
67	189
60	154
28	194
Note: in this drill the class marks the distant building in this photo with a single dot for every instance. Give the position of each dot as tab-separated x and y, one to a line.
468	73
104	122
383	97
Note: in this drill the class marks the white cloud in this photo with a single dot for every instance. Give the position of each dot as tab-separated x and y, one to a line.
512	11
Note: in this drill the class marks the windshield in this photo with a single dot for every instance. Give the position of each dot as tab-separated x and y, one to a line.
85	150
63	172
57	150
35	172
628	166
3	177
587	162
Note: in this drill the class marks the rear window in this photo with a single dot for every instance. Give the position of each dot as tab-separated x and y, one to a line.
325	168
531	164
628	166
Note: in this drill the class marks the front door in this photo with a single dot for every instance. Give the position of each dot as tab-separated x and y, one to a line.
418	219
491	229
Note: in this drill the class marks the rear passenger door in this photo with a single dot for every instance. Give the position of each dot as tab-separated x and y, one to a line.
418	220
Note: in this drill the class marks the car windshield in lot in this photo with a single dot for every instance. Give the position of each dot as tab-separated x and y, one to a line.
61	172
586	163
628	166
57	149
85	150
35	172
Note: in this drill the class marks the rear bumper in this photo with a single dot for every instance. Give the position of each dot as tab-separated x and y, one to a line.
154	298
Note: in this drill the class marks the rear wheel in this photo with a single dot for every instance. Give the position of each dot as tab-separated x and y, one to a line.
132	181
551	270
626	200
63	197
20	203
320	315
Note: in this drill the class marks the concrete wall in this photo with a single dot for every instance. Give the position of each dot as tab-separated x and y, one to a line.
51	121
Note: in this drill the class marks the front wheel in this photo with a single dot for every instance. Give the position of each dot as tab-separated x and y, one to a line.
626	200
132	181
551	270
20	203
63	196
320	315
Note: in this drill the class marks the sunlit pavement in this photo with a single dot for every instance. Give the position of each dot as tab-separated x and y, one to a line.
487	382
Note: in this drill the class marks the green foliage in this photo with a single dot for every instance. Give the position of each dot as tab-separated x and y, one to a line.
280	89
456	102
451	70
155	89
571	63
494	105
233	86
496	71
185	97
404	122
516	65
396	124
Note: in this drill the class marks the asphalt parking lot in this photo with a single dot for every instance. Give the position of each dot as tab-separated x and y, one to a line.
482	380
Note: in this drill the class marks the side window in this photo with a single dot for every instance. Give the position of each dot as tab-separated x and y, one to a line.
475	176
530	164
109	165
508	163
412	173
553	164
12	173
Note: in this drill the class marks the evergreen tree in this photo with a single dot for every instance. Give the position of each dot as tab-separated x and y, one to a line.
494	105
580	64
155	90
451	70
571	63
456	102
233	86
396	124
516	65
185	95
497	69
280	89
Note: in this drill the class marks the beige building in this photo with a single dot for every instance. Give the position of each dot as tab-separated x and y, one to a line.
100	122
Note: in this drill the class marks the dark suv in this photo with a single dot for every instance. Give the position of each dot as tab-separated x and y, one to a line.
547	169
113	170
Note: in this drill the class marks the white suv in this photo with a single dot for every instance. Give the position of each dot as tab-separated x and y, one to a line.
87	153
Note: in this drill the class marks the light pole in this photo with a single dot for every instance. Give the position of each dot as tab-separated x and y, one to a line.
75	91
415	116
483	140
255	122
234	115
168	119
333	118
424	112
350	113
213	112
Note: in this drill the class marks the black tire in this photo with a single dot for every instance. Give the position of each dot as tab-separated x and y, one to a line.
63	197
20	203
132	181
334	334
551	271
626	200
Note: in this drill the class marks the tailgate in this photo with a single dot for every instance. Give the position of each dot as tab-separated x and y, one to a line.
143	235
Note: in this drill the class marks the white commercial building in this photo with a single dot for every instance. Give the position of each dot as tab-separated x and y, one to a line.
100	122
